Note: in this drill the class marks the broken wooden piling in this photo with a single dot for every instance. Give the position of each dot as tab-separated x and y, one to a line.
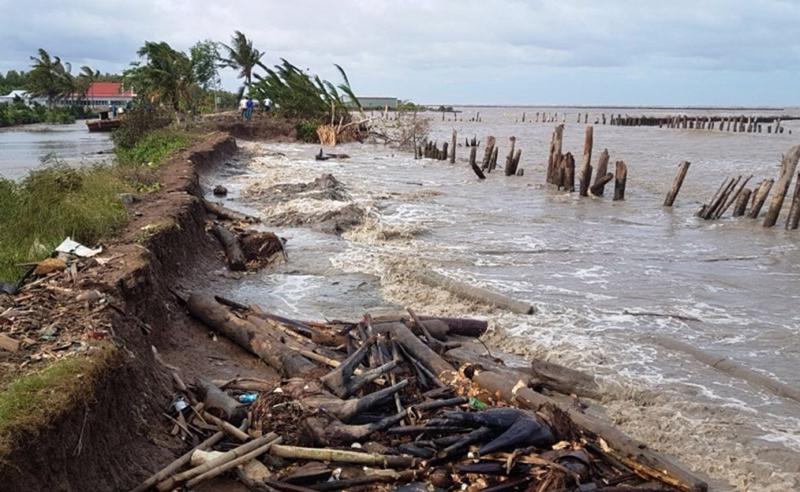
683	168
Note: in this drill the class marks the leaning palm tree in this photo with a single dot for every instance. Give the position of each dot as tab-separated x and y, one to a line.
164	76
242	56
48	77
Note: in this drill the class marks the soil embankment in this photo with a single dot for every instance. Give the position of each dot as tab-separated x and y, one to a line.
112	433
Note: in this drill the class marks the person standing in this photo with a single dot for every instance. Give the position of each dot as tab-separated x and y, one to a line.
243	107
249	109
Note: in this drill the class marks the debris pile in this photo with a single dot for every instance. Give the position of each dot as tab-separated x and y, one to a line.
55	310
402	399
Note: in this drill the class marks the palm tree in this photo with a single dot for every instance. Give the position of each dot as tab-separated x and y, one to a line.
84	80
50	78
166	76
242	56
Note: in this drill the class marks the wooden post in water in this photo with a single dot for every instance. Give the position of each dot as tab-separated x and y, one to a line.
453	144
586	167
793	220
444	152
710	211
741	202
515	162
620	179
569	172
487	152
473	152
787	173
760	197
555	155
604	118
493	161
586	118
683	168
723	208
510	158
602	169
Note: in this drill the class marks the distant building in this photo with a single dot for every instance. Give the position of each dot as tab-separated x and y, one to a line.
101	95
18	94
107	95
378	102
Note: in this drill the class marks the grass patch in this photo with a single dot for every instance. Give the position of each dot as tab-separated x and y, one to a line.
37	213
33	400
153	148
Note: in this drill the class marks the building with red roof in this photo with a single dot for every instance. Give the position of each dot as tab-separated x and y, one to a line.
107	94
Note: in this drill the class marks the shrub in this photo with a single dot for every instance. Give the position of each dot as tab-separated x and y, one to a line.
307	131
137	123
37	213
152	148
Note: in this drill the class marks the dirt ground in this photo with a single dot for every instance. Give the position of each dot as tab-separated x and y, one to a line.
115	437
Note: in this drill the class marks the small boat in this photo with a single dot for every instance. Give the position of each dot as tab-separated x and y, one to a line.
103	125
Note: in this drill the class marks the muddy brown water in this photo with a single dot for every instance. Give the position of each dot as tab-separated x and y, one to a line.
583	262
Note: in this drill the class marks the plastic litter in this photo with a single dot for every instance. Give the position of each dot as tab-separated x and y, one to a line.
248	397
68	246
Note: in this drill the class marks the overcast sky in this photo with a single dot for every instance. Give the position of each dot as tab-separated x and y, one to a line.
631	52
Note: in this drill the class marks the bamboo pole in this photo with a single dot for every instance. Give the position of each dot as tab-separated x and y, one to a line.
341	456
232	463
179	463
234	453
683	168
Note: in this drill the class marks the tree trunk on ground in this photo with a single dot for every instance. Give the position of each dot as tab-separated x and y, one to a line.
233	250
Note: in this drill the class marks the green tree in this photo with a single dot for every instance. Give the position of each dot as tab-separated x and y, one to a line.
299	95
50	78
164	76
205	60
84	80
242	56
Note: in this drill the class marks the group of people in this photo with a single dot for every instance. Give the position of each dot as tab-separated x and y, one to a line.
247	105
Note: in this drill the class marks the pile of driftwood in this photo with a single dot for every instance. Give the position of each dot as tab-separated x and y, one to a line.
398	399
244	248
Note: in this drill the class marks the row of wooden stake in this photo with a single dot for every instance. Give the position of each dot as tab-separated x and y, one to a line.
561	173
734	191
561	168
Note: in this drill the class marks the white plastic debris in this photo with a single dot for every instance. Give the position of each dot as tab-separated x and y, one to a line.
68	246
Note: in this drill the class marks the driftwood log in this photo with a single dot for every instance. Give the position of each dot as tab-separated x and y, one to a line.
249	334
466	291
224	213
634	454
233	250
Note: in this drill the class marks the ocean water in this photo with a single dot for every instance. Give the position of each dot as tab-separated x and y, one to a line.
586	263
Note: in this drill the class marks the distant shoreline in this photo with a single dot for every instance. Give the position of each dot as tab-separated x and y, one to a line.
556	106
